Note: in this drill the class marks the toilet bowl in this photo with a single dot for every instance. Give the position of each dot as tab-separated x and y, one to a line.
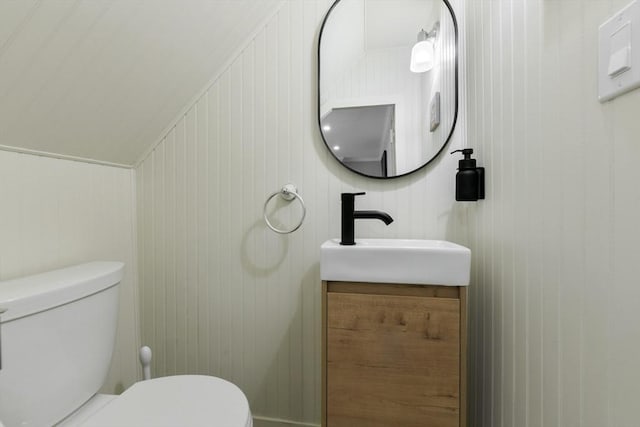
57	337
182	400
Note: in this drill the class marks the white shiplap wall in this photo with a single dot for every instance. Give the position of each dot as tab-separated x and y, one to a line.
554	296
56	213
220	293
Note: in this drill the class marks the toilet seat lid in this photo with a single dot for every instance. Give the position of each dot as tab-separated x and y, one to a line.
181	400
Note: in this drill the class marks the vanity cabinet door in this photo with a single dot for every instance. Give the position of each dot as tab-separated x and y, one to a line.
392	360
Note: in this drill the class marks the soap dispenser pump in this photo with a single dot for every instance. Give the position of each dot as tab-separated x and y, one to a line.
469	179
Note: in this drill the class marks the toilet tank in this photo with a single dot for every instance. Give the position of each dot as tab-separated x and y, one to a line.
56	340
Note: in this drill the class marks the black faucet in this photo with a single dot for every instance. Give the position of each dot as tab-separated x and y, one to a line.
349	214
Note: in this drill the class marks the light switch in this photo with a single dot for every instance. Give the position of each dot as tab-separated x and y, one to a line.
620	59
618	66
435	112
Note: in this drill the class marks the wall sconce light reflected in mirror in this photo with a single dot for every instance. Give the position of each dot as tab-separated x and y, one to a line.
422	54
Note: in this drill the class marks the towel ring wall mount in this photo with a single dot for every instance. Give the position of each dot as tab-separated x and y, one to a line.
289	192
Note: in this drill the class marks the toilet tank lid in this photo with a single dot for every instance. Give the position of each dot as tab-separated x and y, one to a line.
32	294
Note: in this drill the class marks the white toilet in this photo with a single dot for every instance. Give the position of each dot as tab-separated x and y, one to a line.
57	332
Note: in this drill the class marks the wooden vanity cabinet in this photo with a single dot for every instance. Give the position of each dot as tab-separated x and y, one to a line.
393	355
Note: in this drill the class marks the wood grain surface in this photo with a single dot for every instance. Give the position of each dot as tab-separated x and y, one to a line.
392	360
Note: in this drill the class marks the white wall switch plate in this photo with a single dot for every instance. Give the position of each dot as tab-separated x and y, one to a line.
619	53
434	119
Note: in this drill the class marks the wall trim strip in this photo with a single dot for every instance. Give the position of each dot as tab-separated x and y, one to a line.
62	156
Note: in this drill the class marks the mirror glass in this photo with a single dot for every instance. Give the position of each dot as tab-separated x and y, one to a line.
387	83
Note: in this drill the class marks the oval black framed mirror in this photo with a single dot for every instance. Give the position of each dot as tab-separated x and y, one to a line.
387	83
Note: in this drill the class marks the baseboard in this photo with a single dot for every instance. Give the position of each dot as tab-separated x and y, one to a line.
259	421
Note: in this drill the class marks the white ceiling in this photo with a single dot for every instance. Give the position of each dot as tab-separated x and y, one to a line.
101	79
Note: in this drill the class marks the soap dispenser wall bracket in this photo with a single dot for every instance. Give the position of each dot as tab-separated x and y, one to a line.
480	172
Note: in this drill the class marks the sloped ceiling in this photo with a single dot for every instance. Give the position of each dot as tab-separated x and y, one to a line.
102	79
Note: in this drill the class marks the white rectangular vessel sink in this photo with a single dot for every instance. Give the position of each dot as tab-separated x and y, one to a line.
421	262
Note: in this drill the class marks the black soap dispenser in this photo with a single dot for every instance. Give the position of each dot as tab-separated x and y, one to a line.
469	179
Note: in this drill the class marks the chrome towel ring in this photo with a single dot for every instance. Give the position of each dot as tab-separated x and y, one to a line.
288	192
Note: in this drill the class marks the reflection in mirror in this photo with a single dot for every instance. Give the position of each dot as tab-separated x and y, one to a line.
387	83
363	137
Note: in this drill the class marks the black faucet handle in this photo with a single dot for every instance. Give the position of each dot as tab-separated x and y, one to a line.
352	195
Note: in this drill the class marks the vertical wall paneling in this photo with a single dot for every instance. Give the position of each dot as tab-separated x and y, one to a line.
220	293
552	296
56	213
